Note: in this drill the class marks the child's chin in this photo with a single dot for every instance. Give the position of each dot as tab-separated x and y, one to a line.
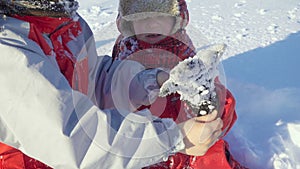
152	40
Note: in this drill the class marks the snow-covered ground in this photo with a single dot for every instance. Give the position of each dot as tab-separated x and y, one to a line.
261	65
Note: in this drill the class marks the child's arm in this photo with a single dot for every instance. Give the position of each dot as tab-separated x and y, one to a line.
189	128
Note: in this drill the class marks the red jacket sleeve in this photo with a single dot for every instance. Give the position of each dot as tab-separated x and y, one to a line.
229	114
227	107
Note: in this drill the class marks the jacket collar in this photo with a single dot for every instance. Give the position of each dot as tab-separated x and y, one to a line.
42	22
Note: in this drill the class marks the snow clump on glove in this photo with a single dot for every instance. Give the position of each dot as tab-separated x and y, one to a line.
193	78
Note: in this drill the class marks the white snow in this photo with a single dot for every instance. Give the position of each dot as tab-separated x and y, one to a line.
193	78
261	65
294	130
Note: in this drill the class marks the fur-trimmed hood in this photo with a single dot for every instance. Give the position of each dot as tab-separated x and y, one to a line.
49	8
130	10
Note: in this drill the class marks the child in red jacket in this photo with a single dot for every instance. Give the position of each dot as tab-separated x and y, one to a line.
153	33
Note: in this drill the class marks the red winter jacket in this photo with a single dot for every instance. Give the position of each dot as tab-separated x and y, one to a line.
11	158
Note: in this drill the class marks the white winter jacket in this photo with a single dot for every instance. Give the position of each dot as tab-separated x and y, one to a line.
46	119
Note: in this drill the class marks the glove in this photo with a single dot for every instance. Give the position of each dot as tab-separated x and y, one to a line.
193	78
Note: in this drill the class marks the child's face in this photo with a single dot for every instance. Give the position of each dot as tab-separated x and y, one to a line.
153	29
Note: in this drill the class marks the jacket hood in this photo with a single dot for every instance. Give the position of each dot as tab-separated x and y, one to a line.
130	10
50	8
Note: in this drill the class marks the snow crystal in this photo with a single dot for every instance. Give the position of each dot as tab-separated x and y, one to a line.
194	78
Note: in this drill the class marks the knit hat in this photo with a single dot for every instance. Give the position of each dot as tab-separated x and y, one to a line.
50	8
130	10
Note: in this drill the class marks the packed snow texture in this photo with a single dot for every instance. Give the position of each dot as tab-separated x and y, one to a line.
49	5
193	78
261	64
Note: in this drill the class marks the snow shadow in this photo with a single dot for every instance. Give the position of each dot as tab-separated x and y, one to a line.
266	85
275	66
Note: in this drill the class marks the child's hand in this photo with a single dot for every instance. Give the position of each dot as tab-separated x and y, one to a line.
208	118
200	135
